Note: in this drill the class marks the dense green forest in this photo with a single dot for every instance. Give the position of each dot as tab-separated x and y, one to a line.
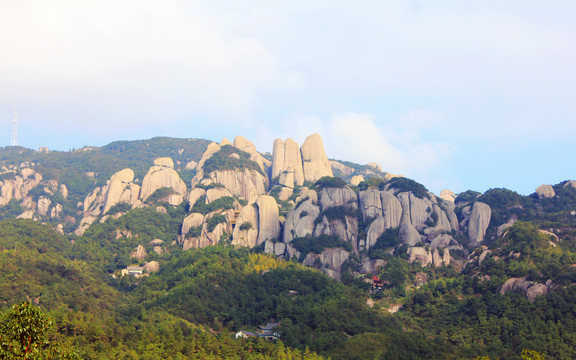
200	298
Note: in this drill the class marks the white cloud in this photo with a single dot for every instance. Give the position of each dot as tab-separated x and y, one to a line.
358	137
134	54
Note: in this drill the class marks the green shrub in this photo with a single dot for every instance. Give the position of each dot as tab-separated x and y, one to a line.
215	220
246	225
336	213
330	182
222	160
467	196
316	245
377	183
119	208
402	184
195	231
223	203
160	194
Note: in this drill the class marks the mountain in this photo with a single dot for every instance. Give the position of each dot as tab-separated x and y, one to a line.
407	264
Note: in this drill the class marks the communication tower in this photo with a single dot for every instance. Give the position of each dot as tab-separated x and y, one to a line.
14	140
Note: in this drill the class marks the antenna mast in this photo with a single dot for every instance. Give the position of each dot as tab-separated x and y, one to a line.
14	140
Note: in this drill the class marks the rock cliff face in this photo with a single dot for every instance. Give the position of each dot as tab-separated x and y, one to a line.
447	195
356	180
247	146
245	183
314	160
285	155
330	260
246	229
121	189
530	289
300	221
345	225
208	235
545	191
341	168
18	187
268	219
162	174
478	222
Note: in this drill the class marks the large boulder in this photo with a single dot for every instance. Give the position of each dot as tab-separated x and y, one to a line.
244	183
341	168
525	287
370	203
194	195
18	187
375	230
300	221
409	235
314	160
391	210
478	222
287	182
211	149
329	259
43	205
331	197
216	193
245	145
371	266
285	154
268	219
545	191
194	220
246	229
162	175
447	195
121	189
213	236
356	180
419	254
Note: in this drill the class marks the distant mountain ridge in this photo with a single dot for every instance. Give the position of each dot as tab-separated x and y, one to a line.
295	203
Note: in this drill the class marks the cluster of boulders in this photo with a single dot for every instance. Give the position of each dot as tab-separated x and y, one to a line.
429	230
17	183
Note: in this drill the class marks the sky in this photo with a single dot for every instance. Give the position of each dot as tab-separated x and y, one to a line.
454	94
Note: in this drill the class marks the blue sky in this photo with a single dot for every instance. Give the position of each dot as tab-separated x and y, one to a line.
457	95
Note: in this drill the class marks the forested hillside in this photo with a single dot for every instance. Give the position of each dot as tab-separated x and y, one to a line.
169	248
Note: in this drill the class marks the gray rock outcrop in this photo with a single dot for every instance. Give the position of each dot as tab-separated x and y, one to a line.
545	191
331	197
121	189
356	180
370	203
528	288
314	160
478	222
18	187
244	183
329	259
268	219
245	145
447	195
162	174
300	221
246	229
409	235
341	168
419	254
286	154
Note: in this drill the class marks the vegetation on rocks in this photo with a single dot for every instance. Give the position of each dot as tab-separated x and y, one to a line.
230	158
